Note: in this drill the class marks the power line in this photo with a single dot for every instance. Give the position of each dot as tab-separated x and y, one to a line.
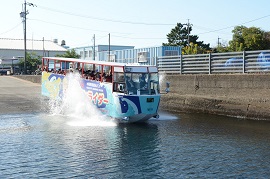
135	37
92	30
126	22
11	29
234	25
81	28
104	19
101	37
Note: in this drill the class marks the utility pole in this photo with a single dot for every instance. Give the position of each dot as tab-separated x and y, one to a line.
188	31
109	46
23	16
218	42
94	48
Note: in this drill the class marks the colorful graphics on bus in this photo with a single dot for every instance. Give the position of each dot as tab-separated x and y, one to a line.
97	92
116	105
52	85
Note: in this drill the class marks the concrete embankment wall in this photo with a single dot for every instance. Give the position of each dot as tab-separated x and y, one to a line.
241	95
32	78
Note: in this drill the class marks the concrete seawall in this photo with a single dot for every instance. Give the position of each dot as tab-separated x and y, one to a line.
241	95
32	78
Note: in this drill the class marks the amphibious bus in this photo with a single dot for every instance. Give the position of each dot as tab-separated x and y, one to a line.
125	92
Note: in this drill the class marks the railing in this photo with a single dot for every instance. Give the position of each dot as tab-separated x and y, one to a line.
215	63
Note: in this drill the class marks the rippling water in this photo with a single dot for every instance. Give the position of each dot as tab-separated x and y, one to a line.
175	146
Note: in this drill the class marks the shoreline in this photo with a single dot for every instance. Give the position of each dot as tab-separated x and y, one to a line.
19	96
250	102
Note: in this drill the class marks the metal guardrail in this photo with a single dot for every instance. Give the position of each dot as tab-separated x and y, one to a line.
216	63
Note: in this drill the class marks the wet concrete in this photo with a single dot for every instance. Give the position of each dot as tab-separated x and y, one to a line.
19	96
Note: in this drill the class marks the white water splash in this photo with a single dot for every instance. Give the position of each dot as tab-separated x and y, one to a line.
162	83
77	107
161	77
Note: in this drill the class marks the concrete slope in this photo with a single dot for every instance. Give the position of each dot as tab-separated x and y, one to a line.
19	96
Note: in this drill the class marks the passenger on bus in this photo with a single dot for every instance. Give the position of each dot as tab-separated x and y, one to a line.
142	81
98	76
109	77
130	85
92	75
103	77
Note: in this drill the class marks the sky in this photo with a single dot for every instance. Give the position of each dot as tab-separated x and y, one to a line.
139	23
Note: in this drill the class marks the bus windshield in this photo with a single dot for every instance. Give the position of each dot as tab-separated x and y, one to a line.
141	83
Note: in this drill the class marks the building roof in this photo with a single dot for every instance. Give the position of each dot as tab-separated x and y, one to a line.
100	48
18	44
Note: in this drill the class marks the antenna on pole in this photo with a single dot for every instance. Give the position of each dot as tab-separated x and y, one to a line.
94	48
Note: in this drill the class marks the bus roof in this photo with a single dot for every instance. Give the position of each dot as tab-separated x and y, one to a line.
94	62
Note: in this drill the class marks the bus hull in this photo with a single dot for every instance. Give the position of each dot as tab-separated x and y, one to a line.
122	107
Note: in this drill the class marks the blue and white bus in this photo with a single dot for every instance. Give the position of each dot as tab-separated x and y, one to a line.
126	92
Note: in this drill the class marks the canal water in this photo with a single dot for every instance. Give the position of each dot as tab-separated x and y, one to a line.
72	140
42	145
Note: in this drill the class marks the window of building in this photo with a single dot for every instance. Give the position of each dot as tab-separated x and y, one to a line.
86	54
90	53
171	53
142	57
81	54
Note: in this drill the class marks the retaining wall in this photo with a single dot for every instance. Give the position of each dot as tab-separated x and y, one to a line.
241	95
32	78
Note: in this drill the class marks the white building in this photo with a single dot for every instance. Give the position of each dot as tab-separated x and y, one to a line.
91	52
13	48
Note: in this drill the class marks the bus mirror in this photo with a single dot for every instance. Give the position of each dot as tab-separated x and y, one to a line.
167	87
120	87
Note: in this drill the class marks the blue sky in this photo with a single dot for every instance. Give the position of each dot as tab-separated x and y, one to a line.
139	23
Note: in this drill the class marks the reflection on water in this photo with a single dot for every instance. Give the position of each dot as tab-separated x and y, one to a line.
137	147
174	146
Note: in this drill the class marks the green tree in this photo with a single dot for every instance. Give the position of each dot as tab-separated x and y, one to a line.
32	62
220	48
180	36
192	49
251	38
69	54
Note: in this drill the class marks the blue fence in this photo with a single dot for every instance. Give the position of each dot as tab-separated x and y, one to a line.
215	63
